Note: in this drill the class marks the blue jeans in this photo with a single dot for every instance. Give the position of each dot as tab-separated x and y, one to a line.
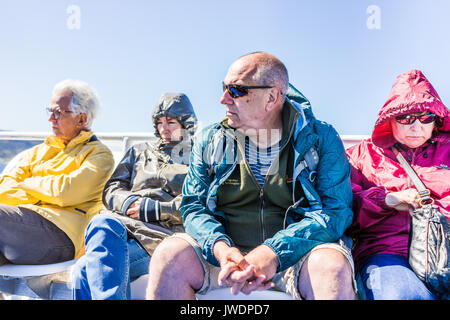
389	277
111	261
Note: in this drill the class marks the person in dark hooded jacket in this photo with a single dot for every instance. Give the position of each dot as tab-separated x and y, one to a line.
415	120
142	200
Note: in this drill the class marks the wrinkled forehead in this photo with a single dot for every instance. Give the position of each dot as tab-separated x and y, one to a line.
242	71
61	99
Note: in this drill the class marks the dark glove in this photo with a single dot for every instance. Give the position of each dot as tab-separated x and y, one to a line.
170	211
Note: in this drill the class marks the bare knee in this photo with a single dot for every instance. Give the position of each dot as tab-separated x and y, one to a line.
170	251
326	274
329	262
168	266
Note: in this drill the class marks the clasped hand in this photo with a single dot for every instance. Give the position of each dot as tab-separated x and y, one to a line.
403	200
248	273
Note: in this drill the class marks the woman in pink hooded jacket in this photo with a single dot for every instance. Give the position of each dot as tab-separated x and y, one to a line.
415	120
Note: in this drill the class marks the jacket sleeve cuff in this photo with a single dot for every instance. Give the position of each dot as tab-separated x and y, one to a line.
149	210
208	249
126	204
378	197
167	207
289	254
280	262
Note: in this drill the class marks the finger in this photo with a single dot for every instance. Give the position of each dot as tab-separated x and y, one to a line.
132	210
266	286
415	202
132	206
243	264
253	285
237	257
242	275
225	272
135	216
135	204
236	287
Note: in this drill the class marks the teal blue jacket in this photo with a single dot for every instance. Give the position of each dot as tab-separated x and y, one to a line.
329	194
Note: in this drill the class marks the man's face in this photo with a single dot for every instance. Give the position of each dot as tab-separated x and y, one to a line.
67	126
247	112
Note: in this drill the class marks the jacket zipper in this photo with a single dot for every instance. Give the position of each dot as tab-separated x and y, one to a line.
261	197
261	189
261	193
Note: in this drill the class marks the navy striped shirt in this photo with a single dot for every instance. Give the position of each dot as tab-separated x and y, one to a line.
260	159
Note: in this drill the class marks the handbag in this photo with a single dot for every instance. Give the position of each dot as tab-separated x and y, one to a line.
429	241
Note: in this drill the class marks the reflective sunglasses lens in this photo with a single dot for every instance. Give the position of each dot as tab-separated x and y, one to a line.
409	119
236	92
428	118
404	119
229	90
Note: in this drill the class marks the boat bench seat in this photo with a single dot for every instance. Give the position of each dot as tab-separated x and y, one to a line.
52	282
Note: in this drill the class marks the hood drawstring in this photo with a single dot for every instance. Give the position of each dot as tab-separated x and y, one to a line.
399	146
429	143
425	154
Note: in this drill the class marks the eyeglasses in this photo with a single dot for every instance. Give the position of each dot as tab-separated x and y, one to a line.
237	90
57	113
410	119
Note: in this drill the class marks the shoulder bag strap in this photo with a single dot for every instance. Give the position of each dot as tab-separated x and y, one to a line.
423	191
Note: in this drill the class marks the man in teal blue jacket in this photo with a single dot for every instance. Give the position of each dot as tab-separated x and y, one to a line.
266	200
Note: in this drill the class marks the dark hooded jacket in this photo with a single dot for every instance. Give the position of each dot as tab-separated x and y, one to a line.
154	172
378	228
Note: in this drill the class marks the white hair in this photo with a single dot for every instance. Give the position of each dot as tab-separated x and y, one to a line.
84	98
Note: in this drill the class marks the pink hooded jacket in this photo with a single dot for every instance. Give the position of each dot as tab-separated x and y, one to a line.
376	227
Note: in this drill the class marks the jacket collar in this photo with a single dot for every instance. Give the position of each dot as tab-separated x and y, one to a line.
56	142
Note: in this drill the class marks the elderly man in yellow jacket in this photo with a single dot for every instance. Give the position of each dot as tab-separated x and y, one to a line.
48	198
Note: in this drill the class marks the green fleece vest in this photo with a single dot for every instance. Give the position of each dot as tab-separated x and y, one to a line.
254	214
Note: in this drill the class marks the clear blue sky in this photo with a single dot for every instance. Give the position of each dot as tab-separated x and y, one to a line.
132	51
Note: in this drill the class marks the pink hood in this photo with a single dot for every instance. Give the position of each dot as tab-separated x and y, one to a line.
412	92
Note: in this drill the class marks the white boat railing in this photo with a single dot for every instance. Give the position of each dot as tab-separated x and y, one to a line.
120	142
127	139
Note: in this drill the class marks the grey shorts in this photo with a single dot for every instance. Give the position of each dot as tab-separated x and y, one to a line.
285	281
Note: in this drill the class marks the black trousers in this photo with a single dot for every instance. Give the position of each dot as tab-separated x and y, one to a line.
28	238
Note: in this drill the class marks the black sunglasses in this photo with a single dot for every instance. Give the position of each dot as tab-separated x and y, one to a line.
237	90
410	119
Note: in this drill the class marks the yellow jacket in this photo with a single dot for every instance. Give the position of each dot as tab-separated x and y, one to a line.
63	183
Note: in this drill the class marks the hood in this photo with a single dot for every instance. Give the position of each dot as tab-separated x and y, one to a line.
300	102
411	93
178	106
